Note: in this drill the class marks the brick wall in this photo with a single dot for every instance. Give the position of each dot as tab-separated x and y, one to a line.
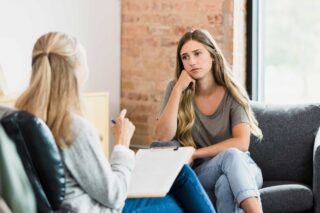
150	32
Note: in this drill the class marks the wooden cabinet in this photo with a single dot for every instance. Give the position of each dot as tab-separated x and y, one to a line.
95	109
4	101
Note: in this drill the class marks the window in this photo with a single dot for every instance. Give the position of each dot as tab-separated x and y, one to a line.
287	42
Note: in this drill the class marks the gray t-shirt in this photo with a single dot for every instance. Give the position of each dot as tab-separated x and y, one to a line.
209	130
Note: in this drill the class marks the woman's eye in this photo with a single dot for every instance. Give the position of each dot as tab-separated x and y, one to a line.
197	53
184	58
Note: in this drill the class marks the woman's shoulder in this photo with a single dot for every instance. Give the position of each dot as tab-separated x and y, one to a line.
84	133
230	99
79	120
81	125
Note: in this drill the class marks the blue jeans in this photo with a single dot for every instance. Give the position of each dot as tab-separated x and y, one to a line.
232	176
186	195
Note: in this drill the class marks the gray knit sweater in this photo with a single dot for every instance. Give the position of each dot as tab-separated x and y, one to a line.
92	183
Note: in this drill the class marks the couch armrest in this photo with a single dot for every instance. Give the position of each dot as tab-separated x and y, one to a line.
163	144
316	173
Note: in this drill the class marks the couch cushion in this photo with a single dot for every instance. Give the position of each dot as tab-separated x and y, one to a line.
40	157
286	151
286	197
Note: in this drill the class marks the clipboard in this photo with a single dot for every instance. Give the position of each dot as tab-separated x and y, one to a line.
156	169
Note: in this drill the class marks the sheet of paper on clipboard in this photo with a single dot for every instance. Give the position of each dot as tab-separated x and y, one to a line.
156	169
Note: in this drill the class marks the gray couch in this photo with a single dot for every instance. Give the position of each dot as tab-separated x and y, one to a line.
289	157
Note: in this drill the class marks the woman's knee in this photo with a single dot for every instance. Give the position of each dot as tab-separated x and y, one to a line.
232	158
232	153
187	171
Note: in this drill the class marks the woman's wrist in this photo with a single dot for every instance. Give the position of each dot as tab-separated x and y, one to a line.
119	141
201	153
195	154
177	90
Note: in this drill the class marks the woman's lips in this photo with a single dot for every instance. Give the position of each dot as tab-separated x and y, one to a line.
195	69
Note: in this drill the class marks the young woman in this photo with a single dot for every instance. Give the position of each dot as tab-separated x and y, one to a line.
93	184
204	107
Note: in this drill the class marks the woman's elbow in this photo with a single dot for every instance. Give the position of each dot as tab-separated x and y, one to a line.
162	137
244	149
244	145
117	197
118	204
160	134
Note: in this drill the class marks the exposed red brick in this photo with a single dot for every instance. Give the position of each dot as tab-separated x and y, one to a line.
215	19
149	35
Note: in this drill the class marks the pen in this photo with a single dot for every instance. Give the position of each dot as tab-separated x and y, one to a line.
113	121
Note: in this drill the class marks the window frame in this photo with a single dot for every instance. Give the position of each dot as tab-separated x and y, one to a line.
254	83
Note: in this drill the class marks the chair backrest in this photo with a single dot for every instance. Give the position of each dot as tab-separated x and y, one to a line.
15	187
40	157
286	151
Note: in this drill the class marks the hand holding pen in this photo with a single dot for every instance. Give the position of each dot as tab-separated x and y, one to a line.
122	129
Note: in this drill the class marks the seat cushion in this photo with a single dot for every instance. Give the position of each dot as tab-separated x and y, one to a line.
286	197
286	151
40	157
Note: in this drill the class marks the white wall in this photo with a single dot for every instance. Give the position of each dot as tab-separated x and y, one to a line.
96	23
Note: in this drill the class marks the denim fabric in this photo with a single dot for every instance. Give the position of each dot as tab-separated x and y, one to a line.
233	177
154	205
186	195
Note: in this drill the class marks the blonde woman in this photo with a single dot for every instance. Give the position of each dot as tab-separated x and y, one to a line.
204	107
93	184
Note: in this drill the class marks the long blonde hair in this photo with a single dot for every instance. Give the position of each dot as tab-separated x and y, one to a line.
53	91
222	75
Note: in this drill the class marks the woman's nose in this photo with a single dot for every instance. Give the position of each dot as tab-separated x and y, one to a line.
192	61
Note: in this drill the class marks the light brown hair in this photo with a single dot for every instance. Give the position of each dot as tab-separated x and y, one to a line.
222	75
53	91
